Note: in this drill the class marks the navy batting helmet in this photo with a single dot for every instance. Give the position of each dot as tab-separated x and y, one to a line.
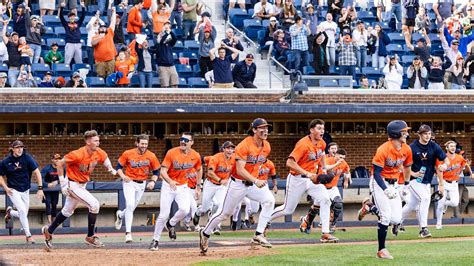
325	178
395	127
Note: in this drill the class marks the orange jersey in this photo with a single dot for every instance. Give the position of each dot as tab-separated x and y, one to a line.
220	166
138	166
253	156
456	165
80	164
401	178
267	170
181	165
391	159
308	155
191	176
124	66
336	171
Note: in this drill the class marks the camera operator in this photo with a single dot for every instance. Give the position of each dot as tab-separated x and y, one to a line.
76	81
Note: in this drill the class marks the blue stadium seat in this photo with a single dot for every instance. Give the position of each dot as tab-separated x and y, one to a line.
237	17
182	83
49	33
178	32
366	16
396	37
60	31
184	71
95	82
328	83
346	83
51	21
61	42
251	28
198	83
334	70
191	46
62	70
260	38
250	11
40	69
76	67
135	81
394	48
156	82
193	57
3	68
407	59
178	47
308	70
196	70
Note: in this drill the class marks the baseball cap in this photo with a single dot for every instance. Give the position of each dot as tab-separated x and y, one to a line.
34	17
455	41
3	75
424	128
17	143
273	19
206	14
54	44
346	32
260	122
71	13
48	73
76	74
227	144
308	6
56	156
416	58
422	40
207	30
13	33
393	57
20	6
249	56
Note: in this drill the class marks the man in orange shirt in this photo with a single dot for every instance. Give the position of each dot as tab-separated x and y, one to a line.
218	173
250	155
457	163
160	14
79	166
135	20
104	48
305	162
180	164
134	167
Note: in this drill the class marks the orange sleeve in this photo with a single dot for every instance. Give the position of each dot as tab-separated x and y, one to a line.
103	156
379	158
298	152
409	160
72	157
272	168
346	167
212	164
167	160
198	164
155	163
123	159
241	151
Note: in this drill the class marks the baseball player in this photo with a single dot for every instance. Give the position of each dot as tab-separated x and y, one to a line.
180	164
425	153
192	183
18	167
134	167
383	185
250	155
336	166
219	167
457	163
79	165
49	173
304	163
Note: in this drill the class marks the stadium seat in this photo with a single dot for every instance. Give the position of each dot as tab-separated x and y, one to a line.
396	38
3	68
95	82
49	33
40	69
198	83
237	17
51	21
366	16
251	28
135	81
346	83
60	31
62	70
184	71
191	46
193	57
61	42
76	67
196	70
394	48
178	32
178	47
407	59
328	83
156	82
182	83
260	38
308	70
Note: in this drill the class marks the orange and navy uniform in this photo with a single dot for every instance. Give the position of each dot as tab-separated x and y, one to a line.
191	176
80	164
138	166
336	171
220	166
390	160
181	166
308	155
455	167
253	156
267	170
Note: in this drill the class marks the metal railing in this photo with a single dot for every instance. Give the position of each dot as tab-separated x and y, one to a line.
271	73
241	33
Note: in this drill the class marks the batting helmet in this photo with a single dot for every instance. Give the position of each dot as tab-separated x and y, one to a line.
395	127
437	195
325	179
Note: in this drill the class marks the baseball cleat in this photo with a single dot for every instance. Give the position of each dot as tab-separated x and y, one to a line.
197	228
251	220
48	238
401	228
424	232
233	225
247	224
118	220
384	254
332	229
395	229
93	241
171	230
187	227
364	210
261	240
439	227
328	238
128	238
196	219
217	232
203	241
153	245
267	228
304	226
8	215
30	240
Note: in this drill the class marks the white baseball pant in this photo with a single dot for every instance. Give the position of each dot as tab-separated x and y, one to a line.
236	191
78	193
390	210
450	198
251	207
182	197
212	197
133	193
21	202
333	193
192	206
296	186
419	199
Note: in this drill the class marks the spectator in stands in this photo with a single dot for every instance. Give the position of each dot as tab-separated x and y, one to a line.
320	62
233	2
451	51
360	37
463	41
76	81
102	42
34	30
277	7
410	7
189	18
347	18
72	27
232	41
334	7
47	6
25	80
3	80
25	53
457	75
269	31
288	15
263	10
330	27
59	82
47	81
466	22
92	28
364	82
281	48
54	56
166	68
244	73
221	65
124	65
13	54
423	45
395	10
207	37
135	20
119	35
160	14
469	68
177	14
393	72
299	43
443	9
146	65
436	71
347	54
72	5
422	21
378	57
312	17
19	21
417	74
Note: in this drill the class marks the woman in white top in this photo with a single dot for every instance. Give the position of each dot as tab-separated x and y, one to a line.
393	73
330	27
92	28
360	36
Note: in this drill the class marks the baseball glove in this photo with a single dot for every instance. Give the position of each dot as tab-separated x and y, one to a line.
324	179
437	195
